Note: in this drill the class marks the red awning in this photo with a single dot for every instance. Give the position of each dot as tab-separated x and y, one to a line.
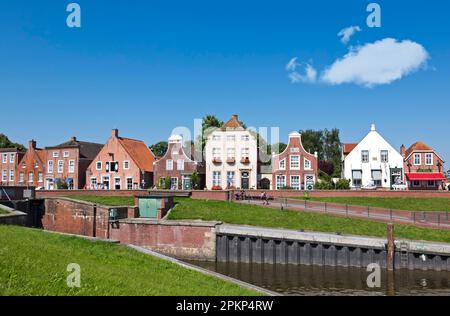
425	176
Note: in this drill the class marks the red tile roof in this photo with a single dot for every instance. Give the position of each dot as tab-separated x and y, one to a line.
348	148
418	146
233	124
139	152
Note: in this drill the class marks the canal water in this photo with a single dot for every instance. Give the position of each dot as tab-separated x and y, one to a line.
324	280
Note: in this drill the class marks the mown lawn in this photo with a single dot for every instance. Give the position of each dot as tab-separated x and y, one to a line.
242	214
406	204
106	200
33	262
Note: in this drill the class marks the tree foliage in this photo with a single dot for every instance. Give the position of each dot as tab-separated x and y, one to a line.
6	143
159	149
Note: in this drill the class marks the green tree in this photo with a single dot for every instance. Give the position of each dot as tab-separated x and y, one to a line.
209	124
6	143
195	180
313	141
159	149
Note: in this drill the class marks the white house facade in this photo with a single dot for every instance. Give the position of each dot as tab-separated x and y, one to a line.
231	157
373	162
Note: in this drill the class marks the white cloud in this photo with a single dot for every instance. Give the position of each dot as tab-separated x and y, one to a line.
377	63
347	33
307	73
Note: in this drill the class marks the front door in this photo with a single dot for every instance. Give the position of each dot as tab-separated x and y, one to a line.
187	183
49	184
245	180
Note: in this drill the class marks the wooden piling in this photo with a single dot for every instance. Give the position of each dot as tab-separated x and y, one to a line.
390	247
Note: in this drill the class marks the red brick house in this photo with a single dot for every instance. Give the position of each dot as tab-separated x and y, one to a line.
31	168
122	164
424	168
178	165
9	160
294	168
67	163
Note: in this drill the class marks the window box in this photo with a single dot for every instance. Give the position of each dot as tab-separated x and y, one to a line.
245	161
231	161
216	160
217	188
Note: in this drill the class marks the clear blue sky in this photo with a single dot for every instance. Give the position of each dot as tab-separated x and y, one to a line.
146	67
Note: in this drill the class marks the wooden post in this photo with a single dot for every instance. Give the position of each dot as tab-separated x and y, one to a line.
390	247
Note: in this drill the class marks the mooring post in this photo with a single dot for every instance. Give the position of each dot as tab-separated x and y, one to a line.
390	247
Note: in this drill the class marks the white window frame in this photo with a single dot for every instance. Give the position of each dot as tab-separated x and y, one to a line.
216	153
231	183
291	167
217	178
12	158
420	159
282	164
97	164
231	153
55	154
40	177
31	177
430	156
71	167
283	182
50	166
362	156
245	152
169	164
180	164
299	183
4	175
4	158
93	183
307	164
216	138
245	138
387	156
66	154
60	166
126	165
231	138
174	184
126	183
21	177
12	175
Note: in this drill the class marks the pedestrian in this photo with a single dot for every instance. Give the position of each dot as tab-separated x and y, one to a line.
264	198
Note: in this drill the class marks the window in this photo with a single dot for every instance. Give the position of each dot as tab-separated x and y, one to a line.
245	138
129	183
50	166
180	164
126	165
36	165
245	153
11	175
216	153
429	159
66	154
11	158
365	156
295	162
282	164
307	164
55	154
60	166
71	166
93	183
357	178
98	165
5	158
384	156
216	137
174	183
295	182
431	183
231	153
230	179
116	183
376	177
281	182
217	178
231	138
40	177
169	164
416	183
5	175
21	177
31	177
417	160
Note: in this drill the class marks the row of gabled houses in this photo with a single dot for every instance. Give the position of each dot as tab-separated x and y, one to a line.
230	160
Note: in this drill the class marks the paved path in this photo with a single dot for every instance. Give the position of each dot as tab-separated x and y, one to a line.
437	220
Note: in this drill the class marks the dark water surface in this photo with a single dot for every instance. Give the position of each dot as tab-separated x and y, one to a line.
321	280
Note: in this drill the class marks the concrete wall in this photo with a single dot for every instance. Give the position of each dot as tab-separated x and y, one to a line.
183	239
12	217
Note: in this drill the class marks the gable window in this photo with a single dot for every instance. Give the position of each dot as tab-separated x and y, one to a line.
180	164
5	158
71	166
307	164
11	158
417	160
282	164
169	164
50	166
55	154
281	182
66	154
295	162
21	177
365	156
31	177
11	175
384	156
429	159
126	165
98	165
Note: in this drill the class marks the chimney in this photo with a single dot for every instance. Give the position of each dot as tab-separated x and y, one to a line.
235	116
115	133
73	139
403	151
32	144
373	128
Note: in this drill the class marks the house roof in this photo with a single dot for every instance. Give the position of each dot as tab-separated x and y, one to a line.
88	150
417	146
141	154
10	150
348	148
233	124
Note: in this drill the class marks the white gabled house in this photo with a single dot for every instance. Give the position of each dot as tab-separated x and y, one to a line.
373	162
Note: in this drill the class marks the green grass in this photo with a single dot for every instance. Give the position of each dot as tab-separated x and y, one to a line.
106	200
2	211
406	204
242	214
33	262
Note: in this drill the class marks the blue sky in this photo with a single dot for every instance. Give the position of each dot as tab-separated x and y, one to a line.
146	67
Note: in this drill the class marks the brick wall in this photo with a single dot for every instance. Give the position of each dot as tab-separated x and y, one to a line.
40	194
211	195
186	240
